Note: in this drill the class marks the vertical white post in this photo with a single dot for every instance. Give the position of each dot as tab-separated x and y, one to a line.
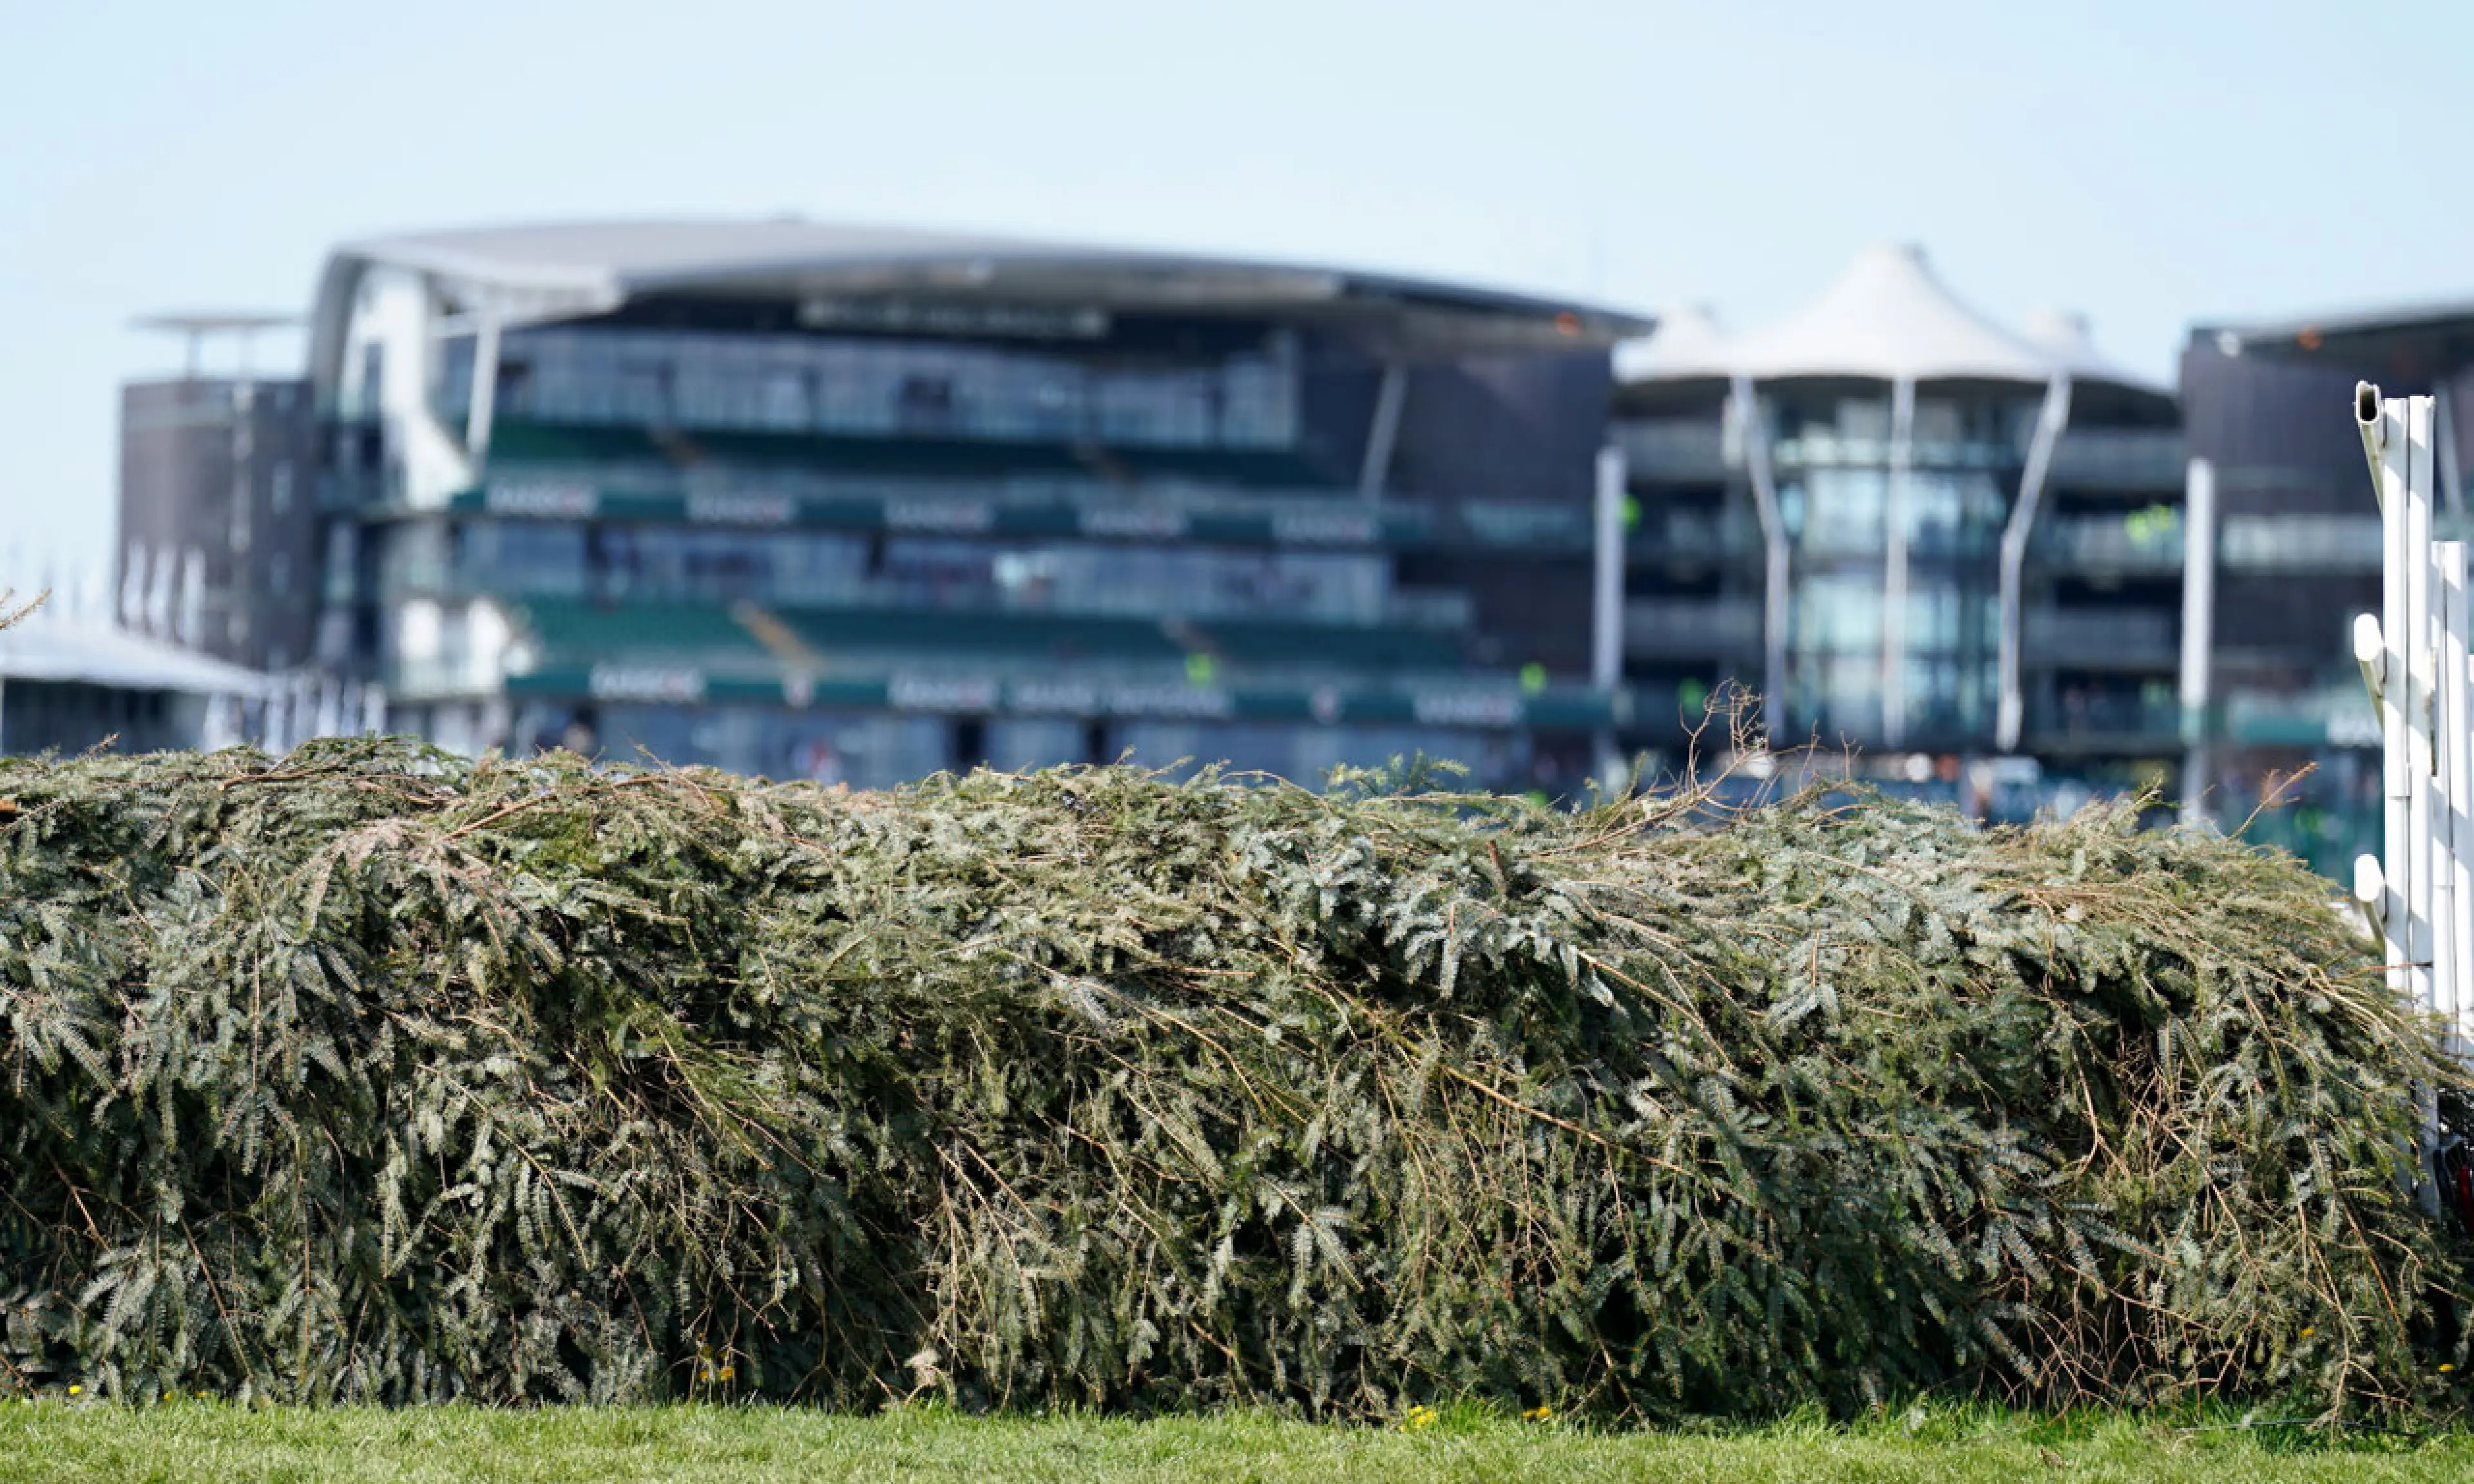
1606	588
1744	408
2421	678
483	409
2198	632
1605	607
2456	771
2385	433
1375	470
2051	421
1894	582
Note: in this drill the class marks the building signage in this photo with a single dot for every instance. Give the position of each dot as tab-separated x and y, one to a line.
1068	698
952	517
2353	725
1466	708
1170	700
555	498
646	683
1140	524
934	693
1324	528
967	695
742	509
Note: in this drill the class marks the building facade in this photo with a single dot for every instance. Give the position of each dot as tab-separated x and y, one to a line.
2268	404
1914	534
803	500
218	471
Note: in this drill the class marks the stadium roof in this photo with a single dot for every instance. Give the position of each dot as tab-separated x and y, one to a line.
88	654
2064	336
2436	335
590	267
1885	318
1687	346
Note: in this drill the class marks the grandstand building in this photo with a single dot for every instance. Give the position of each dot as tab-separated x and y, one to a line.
807	500
2268	405
1911	531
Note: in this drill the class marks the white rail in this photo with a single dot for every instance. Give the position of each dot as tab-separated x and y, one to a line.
2416	660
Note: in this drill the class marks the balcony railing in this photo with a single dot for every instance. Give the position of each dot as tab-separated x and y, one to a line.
2301	544
2083	544
2103	723
1674	448
1680	627
2100	638
2120	459
1433	609
1694	535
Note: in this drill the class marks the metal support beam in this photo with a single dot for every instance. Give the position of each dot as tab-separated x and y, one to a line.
485	387
1744	408
1375	472
2198	632
2053	420
1894	559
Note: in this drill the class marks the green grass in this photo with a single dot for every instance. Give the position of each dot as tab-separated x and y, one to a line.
58	1440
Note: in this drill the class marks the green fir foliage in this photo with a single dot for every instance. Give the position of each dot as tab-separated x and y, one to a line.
373	1074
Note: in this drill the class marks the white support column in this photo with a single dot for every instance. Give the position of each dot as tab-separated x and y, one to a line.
1375	472
1745	408
2198	632
2421	675
2053	420
2384	443
1606	589
1605	605
1894	583
485	385
2457	777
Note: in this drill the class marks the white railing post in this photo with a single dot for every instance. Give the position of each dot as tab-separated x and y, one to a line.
2415	662
2455	728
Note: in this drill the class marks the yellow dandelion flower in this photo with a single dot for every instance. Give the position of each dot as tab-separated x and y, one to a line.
2308	1330
730	1373
74	1390
1539	1414
2444	1369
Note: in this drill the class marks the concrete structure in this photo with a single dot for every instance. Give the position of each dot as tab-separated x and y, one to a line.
1911	530
797	498
224	468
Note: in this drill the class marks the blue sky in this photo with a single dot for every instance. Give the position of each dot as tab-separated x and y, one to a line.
2147	164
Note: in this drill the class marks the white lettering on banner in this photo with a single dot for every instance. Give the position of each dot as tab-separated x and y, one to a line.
1466	708
1319	528
1144	523
740	510
2353	725
1069	697
1168	701
969	516
646	683
929	693
555	498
